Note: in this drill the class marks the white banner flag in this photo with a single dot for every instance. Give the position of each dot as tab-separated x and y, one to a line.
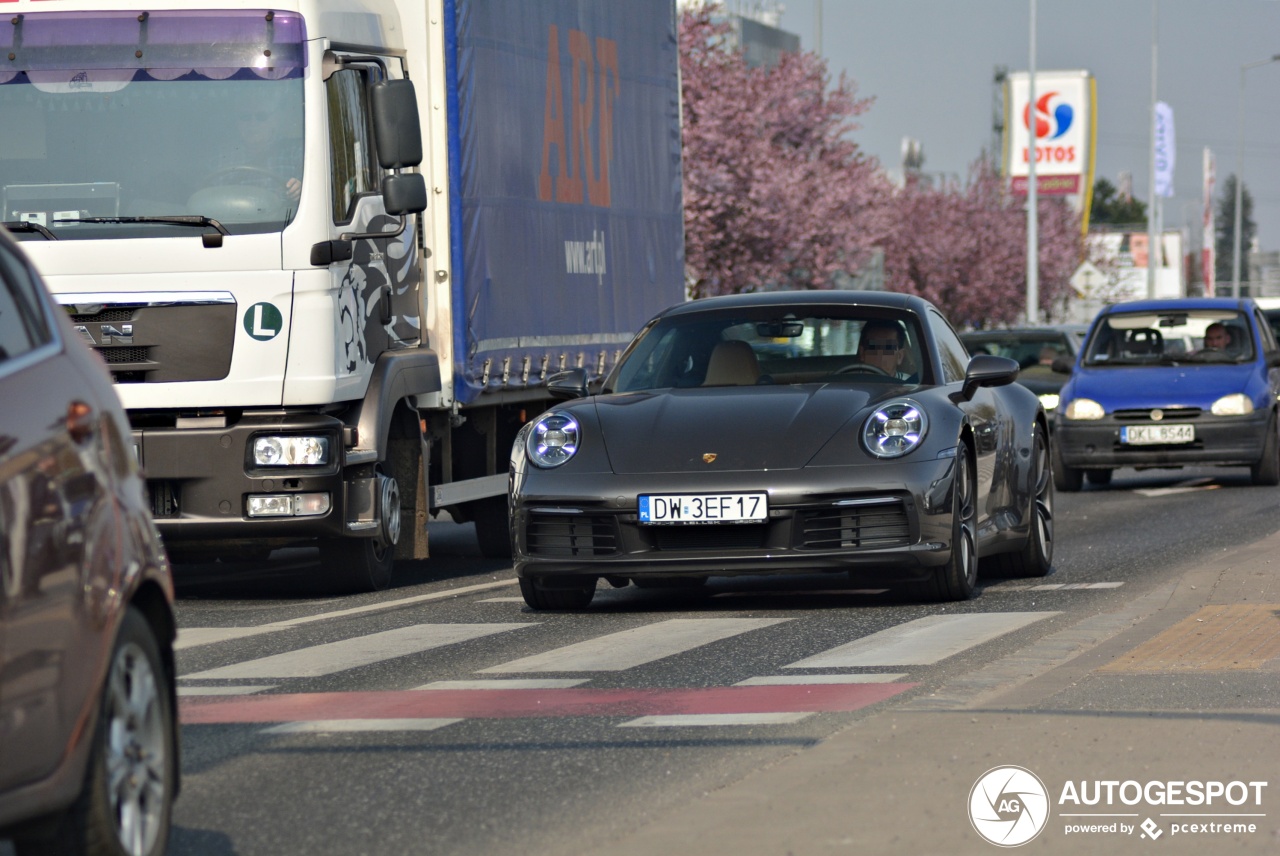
1210	232
1165	149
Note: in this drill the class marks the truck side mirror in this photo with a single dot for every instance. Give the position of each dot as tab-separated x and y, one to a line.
396	131
404	193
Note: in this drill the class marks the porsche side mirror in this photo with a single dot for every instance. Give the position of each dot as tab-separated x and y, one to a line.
571	383
1063	364
988	370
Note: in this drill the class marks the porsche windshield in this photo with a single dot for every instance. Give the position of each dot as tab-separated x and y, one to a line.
1173	336
764	346
125	115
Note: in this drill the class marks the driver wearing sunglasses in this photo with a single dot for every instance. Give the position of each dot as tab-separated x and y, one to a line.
882	345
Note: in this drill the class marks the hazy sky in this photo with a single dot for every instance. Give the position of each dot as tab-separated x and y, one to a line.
929	64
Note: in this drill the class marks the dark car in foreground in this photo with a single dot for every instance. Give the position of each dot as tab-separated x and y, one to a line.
88	735
1171	383
1034	349
781	432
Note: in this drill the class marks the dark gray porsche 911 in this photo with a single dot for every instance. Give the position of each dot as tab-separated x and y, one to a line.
785	432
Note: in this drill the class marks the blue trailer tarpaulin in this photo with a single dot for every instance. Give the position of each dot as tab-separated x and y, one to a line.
568	230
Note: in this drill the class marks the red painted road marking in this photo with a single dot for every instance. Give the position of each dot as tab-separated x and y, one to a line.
507	704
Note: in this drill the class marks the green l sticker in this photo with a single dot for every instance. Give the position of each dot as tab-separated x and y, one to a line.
263	321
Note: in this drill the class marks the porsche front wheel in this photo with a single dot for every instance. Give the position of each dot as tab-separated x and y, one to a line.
558	595
957	579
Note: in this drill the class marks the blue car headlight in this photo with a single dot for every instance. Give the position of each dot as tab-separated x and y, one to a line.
894	429
1236	404
553	440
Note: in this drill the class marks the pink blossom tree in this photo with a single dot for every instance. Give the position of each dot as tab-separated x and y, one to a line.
776	195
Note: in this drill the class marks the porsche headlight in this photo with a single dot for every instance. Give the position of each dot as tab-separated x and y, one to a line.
1084	409
553	440
1232	405
1049	401
894	429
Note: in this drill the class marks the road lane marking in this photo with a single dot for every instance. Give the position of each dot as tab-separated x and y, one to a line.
333	726
714	719
921	642
1182	487
506	684
222	691
796	680
518	704
636	647
1000	588
190	637
332	657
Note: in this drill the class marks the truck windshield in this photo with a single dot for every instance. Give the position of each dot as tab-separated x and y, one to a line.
133	115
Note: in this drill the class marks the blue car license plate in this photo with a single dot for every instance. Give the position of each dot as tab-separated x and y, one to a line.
704	508
1155	435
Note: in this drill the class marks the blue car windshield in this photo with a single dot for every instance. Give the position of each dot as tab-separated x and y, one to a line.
767	346
1175	336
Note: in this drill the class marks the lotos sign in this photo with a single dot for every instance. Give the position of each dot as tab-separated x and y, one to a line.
1057	130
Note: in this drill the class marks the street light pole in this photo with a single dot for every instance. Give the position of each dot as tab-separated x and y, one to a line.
1237	223
1033	235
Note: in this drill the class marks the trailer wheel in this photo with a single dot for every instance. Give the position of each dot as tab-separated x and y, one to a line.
351	565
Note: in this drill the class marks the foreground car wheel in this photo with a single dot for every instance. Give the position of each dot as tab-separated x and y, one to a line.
1036	557
127	800
1267	470
571	594
1065	478
957	578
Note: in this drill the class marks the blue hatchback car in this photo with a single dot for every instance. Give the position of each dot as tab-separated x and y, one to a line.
1167	384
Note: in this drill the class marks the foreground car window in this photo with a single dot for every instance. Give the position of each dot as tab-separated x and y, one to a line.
22	328
761	347
1156	338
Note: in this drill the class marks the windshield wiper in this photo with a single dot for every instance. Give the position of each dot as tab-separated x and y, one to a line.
174	219
28	226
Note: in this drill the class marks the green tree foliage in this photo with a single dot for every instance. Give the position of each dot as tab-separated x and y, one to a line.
1225	223
1110	208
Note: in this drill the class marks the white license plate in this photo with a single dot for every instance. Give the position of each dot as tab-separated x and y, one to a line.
1150	435
704	508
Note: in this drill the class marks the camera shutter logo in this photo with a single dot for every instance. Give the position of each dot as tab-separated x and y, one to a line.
1008	806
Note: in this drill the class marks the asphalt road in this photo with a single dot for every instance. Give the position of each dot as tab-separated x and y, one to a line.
306	730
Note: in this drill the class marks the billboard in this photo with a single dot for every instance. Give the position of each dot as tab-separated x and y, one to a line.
1063	119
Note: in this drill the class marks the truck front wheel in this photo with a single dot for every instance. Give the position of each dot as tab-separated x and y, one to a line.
351	565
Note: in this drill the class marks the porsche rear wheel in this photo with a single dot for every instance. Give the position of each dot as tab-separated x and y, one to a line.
1065	478
1036	557
1267	470
559	594
957	579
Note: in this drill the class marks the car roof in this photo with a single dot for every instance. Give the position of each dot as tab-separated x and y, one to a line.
816	297
1177	303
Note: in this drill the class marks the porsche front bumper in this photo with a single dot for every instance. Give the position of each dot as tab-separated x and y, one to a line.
890	521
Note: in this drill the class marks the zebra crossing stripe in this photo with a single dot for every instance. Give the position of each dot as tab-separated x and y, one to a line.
921	642
798	680
630	648
512	704
360	651
714	719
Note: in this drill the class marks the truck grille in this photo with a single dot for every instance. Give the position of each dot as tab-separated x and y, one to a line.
162	342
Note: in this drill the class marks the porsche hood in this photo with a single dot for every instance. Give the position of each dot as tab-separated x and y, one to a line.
672	430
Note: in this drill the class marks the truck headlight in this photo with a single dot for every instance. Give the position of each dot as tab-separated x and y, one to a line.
290	451
1237	404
